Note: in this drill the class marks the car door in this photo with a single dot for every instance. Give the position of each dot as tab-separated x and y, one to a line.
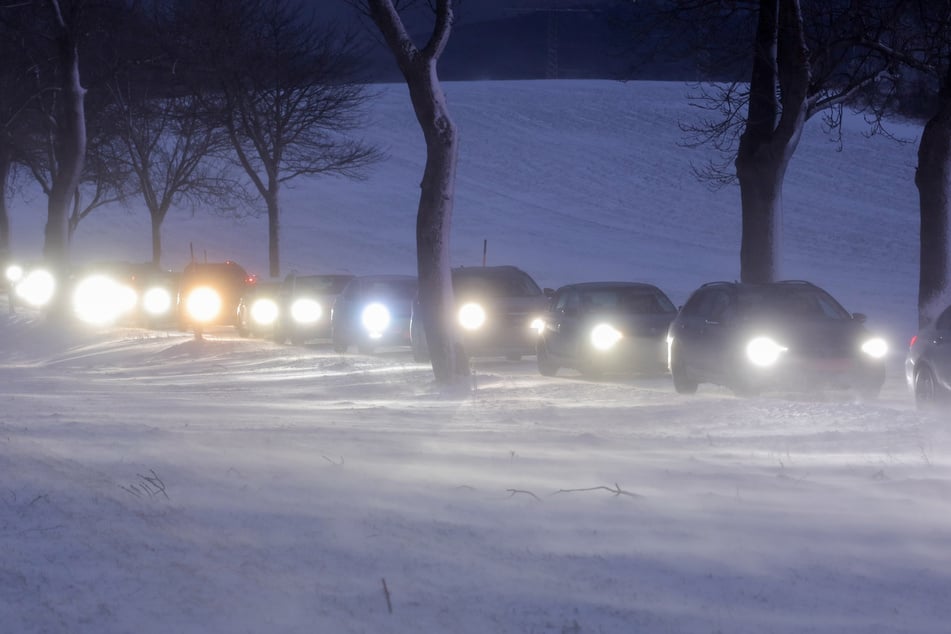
688	330
712	341
941	349
561	332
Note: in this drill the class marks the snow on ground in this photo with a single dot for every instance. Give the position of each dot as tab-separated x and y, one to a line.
154	483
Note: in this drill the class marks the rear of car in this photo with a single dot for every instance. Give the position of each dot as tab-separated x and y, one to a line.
604	327
498	311
214	294
373	311
789	335
928	363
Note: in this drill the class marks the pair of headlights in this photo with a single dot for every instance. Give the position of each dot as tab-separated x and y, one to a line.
765	352
265	311
35	287
101	300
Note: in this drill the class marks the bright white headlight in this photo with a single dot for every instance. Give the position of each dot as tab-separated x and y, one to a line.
203	303
876	347
538	325
763	351
471	316
14	273
37	287
604	336
306	311
376	318
157	301
100	300
264	311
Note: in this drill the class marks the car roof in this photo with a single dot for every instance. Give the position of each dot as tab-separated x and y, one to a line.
386	278
584	286
756	285
500	268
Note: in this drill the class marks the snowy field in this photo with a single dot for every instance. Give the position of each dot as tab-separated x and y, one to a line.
151	483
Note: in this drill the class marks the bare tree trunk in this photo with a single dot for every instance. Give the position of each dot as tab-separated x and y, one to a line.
780	67
933	179
157	218
434	215
6	164
70	145
273	230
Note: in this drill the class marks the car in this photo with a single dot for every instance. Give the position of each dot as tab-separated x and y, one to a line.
498	309
122	292
305	306
373	311
786	335
214	294
599	327
928	363
261	310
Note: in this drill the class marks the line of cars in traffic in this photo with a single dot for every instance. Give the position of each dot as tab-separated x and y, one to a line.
787	335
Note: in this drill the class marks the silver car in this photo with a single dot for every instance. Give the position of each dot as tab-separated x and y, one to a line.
928	364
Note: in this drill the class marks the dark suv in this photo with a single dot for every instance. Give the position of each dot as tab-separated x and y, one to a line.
214	294
928	364
305	303
498	310
789	335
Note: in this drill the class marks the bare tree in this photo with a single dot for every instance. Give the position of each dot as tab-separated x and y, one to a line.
283	86
69	150
437	190
799	68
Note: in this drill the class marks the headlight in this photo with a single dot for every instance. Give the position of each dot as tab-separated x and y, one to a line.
604	336
157	301
37	287
375	318
99	300
203	303
538	325
876	347
471	316
264	311
763	351
13	273
306	311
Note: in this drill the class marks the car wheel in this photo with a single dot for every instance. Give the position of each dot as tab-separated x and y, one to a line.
926	389
682	383
546	367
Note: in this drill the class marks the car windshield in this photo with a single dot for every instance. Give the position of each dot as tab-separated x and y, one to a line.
323	284
633	301
490	283
797	302
396	289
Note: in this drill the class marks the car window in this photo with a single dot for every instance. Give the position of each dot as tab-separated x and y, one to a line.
634	301
694	302
944	321
713	304
329	285
560	301
398	289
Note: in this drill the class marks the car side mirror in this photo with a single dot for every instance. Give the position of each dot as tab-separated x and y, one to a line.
859	317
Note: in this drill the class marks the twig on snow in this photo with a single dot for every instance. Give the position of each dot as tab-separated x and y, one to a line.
617	490
514	491
386	593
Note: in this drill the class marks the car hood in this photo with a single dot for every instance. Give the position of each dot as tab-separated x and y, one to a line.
633	325
508	305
